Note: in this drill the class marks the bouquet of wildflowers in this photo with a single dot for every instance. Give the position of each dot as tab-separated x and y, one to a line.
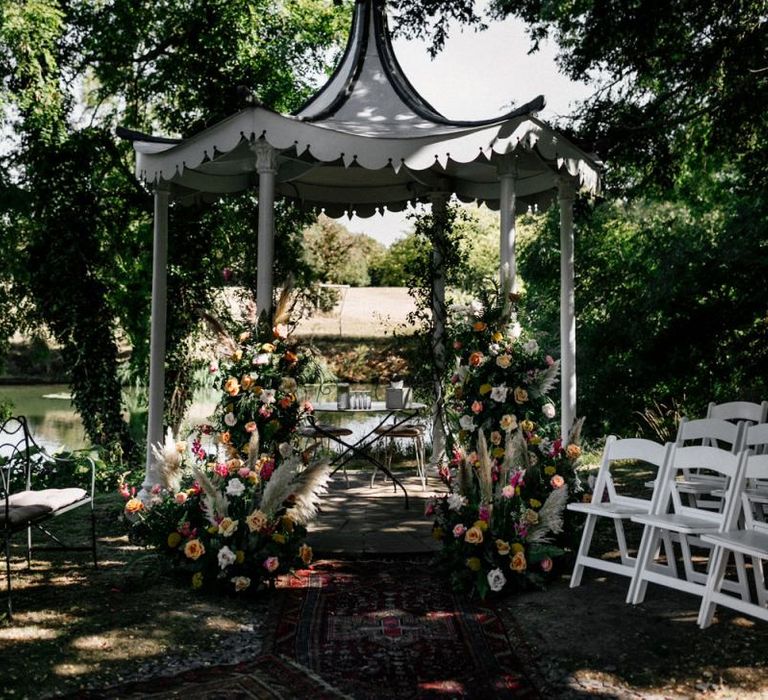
511	473
226	522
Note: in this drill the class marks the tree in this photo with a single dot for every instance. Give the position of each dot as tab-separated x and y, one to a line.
74	219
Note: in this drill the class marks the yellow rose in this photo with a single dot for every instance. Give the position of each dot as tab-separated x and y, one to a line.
277	537
527	425
531	517
502	547
437	533
244	336
517	547
521	395
134	505
174	540
305	553
246	382
194	549
181	446
549	471
228	527
237	355
534	503
287	522
232	386
485	389
239	556
503	360
256	521
480	525
197	580
518	562
474	563
267	347
535	440
508	422
473	536
497	452
497	337
241	583
212	529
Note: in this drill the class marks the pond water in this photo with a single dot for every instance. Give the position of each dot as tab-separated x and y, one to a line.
56	425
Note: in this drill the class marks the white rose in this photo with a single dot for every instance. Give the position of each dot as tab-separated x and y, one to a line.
267	396
496	580
456	501
515	330
235	487
230	419
261	359
476	308
499	393
531	347
548	409
494	349
241	582
226	557
466	423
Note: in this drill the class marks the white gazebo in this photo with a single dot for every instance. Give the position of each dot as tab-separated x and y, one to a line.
366	142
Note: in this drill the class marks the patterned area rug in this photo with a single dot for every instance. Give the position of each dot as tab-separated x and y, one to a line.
267	677
377	629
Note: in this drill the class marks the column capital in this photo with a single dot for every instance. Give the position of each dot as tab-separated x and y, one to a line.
266	157
163	187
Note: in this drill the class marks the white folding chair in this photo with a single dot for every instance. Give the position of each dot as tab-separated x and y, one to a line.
705	489
739	410
607	502
673	514
750	540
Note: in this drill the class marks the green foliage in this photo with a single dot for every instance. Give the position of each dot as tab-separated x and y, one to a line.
75	227
337	256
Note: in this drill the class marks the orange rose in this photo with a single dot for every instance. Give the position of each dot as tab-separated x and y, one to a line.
246	382
474	535
475	359
225	437
518	563
250	426
479	326
244	336
305	552
290	357
557	481
573	451
134	505
194	549
232	386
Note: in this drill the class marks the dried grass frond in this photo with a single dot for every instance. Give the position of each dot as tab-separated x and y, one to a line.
310	485
279	486
575	435
550	517
484	470
545	381
168	462
253	450
226	343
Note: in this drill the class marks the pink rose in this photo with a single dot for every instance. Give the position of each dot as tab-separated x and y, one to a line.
459	530
271	564
557	482
508	491
243	472
307	407
221	469
181	497
484	513
477	407
546	564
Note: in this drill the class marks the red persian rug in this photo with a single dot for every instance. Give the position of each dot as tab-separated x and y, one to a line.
378	629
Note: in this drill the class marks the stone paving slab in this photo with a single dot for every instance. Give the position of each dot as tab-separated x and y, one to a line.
360	519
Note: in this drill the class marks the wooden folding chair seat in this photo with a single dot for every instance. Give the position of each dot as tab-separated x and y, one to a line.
673	514
607	502
745	536
25	508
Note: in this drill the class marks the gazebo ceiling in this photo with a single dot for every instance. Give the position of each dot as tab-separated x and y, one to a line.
366	141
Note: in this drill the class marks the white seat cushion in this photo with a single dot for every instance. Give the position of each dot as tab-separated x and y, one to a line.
749	542
54	499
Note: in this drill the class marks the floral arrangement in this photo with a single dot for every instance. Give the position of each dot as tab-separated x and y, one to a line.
227	523
233	514
258	376
511	474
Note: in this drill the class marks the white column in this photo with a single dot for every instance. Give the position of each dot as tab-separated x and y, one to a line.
157	332
266	166
439	202
567	308
508	268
